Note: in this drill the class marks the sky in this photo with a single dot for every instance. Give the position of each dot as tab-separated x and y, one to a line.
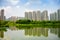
18	7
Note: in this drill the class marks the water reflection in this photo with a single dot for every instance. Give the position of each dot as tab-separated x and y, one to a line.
2	30
1	34
13	28
55	31
37	32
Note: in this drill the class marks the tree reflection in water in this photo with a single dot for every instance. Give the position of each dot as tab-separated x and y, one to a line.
1	34
2	30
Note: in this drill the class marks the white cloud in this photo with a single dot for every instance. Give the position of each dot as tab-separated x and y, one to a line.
28	10
19	11
7	10
30	2
35	1
14	11
17	6
27	4
13	2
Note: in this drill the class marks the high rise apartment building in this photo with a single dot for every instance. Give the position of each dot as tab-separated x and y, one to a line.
34	15
37	15
30	15
2	17
55	16
44	15
26	15
58	12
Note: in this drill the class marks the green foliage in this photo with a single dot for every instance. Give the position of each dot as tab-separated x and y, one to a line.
3	23
35	22
23	21
3	29
11	23
29	23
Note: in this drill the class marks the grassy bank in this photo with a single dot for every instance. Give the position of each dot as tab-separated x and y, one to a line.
38	25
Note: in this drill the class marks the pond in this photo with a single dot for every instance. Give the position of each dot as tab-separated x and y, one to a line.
36	33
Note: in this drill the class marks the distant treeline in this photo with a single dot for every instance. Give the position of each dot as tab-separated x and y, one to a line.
35	22
29	23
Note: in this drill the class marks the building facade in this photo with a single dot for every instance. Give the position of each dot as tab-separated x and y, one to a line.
2	17
12	18
34	16
55	16
30	15
58	11
26	15
37	15
44	15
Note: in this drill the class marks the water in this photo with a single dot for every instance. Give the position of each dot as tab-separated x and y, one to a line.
31	34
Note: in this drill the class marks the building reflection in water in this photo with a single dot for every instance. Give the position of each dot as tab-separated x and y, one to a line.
55	31
37	32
